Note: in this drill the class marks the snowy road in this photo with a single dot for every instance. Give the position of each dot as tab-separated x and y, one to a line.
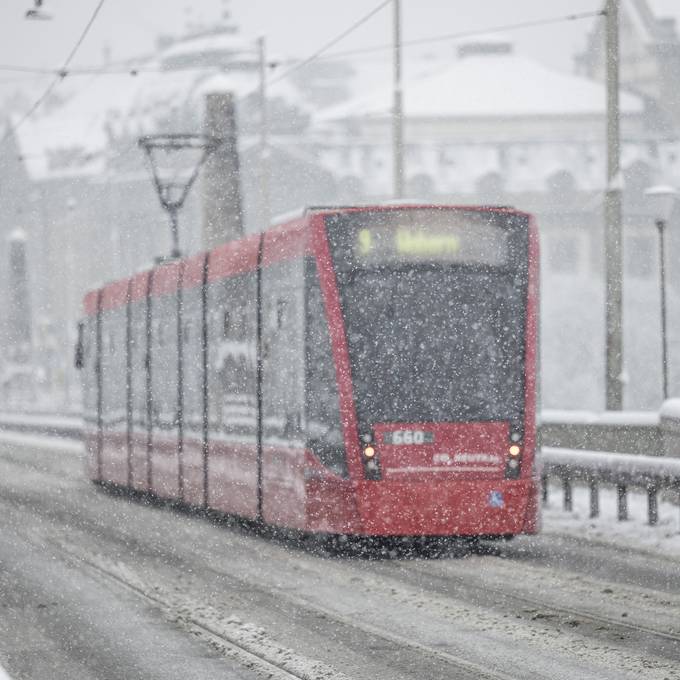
95	586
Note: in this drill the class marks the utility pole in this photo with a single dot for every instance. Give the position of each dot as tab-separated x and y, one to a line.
265	200
661	226
397	109
613	223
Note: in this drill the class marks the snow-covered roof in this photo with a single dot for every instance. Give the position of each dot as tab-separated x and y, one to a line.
73	138
214	49
670	409
495	84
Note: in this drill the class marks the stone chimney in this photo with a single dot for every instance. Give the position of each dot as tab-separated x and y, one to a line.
222	209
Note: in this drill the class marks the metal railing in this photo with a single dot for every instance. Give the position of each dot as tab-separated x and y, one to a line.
621	471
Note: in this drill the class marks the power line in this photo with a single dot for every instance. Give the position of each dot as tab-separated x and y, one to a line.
332	43
319	55
297	64
60	76
465	34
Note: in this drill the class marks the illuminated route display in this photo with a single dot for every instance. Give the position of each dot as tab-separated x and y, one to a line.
421	236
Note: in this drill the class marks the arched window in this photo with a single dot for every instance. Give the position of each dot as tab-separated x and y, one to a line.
636	178
490	188
420	186
561	183
350	189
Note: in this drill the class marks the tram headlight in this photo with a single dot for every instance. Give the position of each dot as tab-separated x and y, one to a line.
512	466
371	462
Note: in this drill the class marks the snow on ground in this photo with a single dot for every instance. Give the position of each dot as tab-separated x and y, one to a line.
662	539
3	674
564	416
41	420
56	444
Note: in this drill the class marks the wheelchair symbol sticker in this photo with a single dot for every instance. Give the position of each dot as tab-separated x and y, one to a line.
496	499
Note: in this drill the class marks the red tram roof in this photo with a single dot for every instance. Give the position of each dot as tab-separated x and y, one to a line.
139	285
286	241
90	302
114	295
166	278
235	257
192	275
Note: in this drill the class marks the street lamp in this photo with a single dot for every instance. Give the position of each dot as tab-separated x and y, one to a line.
175	161
662	199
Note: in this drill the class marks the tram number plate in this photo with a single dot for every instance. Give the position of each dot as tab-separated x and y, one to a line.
408	437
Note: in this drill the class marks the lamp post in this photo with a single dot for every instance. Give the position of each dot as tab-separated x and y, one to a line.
175	161
662	199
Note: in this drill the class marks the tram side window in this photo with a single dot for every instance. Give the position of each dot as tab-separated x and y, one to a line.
639	257
138	356
232	392
283	351
164	360
113	366
89	339
321	389
192	355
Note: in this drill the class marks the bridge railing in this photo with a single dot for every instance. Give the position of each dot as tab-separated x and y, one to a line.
619	470
68	427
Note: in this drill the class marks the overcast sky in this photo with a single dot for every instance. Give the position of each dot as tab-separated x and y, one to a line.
293	28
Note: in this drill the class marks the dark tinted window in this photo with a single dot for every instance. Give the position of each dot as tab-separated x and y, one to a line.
138	357
113	358
164	364
321	389
89	370
433	341
192	355
283	368
232	394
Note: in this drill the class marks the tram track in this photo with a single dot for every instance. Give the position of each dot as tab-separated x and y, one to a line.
536	608
253	656
229	645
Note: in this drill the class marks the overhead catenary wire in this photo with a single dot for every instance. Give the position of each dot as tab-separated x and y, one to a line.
321	54
332	43
468	34
61	74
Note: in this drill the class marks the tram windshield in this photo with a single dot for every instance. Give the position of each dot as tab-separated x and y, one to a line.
434	309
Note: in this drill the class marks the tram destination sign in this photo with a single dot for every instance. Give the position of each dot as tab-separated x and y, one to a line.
420	236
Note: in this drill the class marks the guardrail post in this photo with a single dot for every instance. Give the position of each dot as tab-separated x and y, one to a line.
544	489
652	505
567	500
622	502
594	499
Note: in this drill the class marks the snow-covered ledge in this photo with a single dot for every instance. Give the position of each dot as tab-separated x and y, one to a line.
670	427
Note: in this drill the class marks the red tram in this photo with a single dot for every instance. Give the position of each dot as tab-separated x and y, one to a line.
362	371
